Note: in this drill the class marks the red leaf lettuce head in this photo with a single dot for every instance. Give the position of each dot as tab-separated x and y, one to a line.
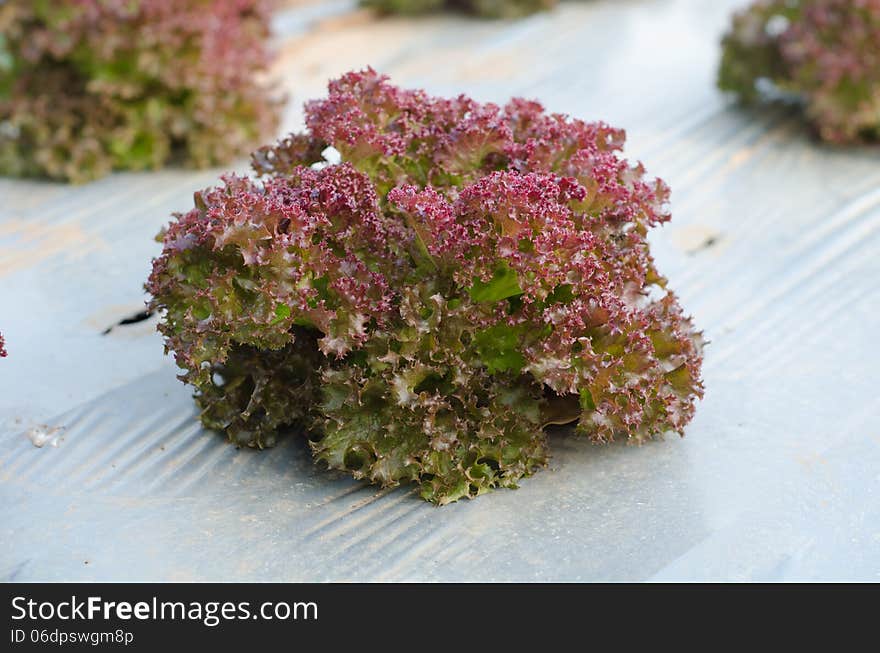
426	283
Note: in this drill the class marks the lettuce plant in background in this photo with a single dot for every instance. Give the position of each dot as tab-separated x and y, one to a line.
825	52
89	86
424	284
3	353
487	8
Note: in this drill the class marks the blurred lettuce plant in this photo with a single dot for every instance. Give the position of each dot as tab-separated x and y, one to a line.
824	52
89	86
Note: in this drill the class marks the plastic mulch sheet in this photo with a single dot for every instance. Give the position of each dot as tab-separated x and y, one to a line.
105	473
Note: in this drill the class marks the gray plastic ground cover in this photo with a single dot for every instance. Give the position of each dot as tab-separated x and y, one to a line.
773	247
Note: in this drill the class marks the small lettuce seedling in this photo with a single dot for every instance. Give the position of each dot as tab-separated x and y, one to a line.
823	52
424	284
90	86
487	8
